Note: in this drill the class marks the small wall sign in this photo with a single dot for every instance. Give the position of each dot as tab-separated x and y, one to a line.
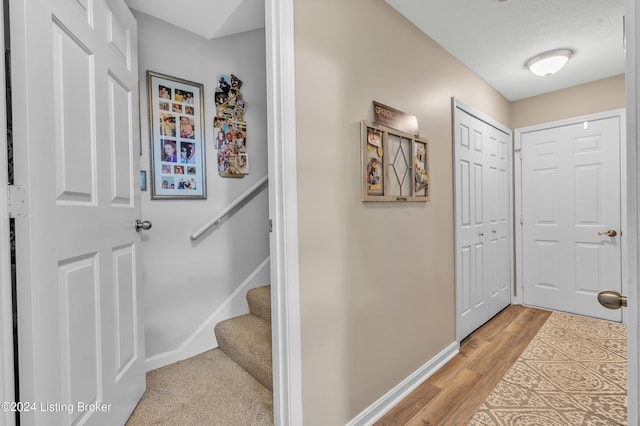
395	119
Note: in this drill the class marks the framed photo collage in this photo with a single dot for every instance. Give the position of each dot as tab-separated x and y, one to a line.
177	138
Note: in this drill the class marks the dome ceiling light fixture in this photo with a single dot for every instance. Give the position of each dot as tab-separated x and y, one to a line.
549	63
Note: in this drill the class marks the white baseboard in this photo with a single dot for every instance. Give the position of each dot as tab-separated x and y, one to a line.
203	338
383	405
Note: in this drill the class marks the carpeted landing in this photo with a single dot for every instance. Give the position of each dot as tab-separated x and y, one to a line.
208	389
574	372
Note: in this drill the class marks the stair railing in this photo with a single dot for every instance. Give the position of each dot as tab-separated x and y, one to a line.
216	220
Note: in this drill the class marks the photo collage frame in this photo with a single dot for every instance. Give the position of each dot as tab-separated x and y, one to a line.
177	137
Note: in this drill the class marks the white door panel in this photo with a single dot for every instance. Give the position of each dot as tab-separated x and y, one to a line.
483	279
76	145
570	193
470	268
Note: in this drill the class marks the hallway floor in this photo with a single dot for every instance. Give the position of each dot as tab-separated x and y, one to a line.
454	393
571	369
574	372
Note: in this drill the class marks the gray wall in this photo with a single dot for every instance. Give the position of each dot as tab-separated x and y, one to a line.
185	282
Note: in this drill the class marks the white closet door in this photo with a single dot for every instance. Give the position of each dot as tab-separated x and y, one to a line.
498	195
570	198
482	211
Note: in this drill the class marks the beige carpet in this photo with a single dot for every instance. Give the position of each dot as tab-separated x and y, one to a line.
574	372
208	389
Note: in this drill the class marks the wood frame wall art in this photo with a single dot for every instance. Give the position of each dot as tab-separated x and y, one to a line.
395	165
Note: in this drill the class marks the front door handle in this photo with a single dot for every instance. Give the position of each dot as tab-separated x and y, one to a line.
610	233
611	299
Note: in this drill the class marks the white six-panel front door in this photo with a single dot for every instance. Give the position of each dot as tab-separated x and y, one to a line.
570	199
76	140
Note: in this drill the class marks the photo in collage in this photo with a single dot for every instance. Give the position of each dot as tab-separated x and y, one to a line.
230	129
178	148
421	176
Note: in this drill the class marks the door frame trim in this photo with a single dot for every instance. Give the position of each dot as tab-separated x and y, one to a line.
517	172
632	53
7	389
455	105
283	212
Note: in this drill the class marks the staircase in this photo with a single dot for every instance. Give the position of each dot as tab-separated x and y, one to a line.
246	339
228	385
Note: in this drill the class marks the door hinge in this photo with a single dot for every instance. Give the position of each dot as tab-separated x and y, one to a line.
270	225
17	201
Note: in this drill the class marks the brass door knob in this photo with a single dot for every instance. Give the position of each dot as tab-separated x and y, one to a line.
610	233
611	299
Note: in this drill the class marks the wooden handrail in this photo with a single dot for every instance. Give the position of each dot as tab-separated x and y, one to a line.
216	220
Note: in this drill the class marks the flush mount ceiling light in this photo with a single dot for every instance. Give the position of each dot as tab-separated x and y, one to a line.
548	63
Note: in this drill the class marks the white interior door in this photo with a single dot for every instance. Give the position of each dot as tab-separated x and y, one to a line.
7	386
571	196
76	139
482	212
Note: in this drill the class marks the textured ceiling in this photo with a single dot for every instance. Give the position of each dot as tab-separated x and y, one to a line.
495	39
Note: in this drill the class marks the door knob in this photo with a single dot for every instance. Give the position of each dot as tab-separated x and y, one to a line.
142	226
611	299
609	233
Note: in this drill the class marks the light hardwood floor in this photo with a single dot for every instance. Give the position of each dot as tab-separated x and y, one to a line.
453	394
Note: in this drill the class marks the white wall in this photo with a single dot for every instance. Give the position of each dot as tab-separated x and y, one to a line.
186	283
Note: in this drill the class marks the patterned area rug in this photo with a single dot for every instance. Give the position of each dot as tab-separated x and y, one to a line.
574	372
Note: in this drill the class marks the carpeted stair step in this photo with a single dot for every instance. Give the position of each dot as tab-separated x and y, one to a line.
259	300
247	340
